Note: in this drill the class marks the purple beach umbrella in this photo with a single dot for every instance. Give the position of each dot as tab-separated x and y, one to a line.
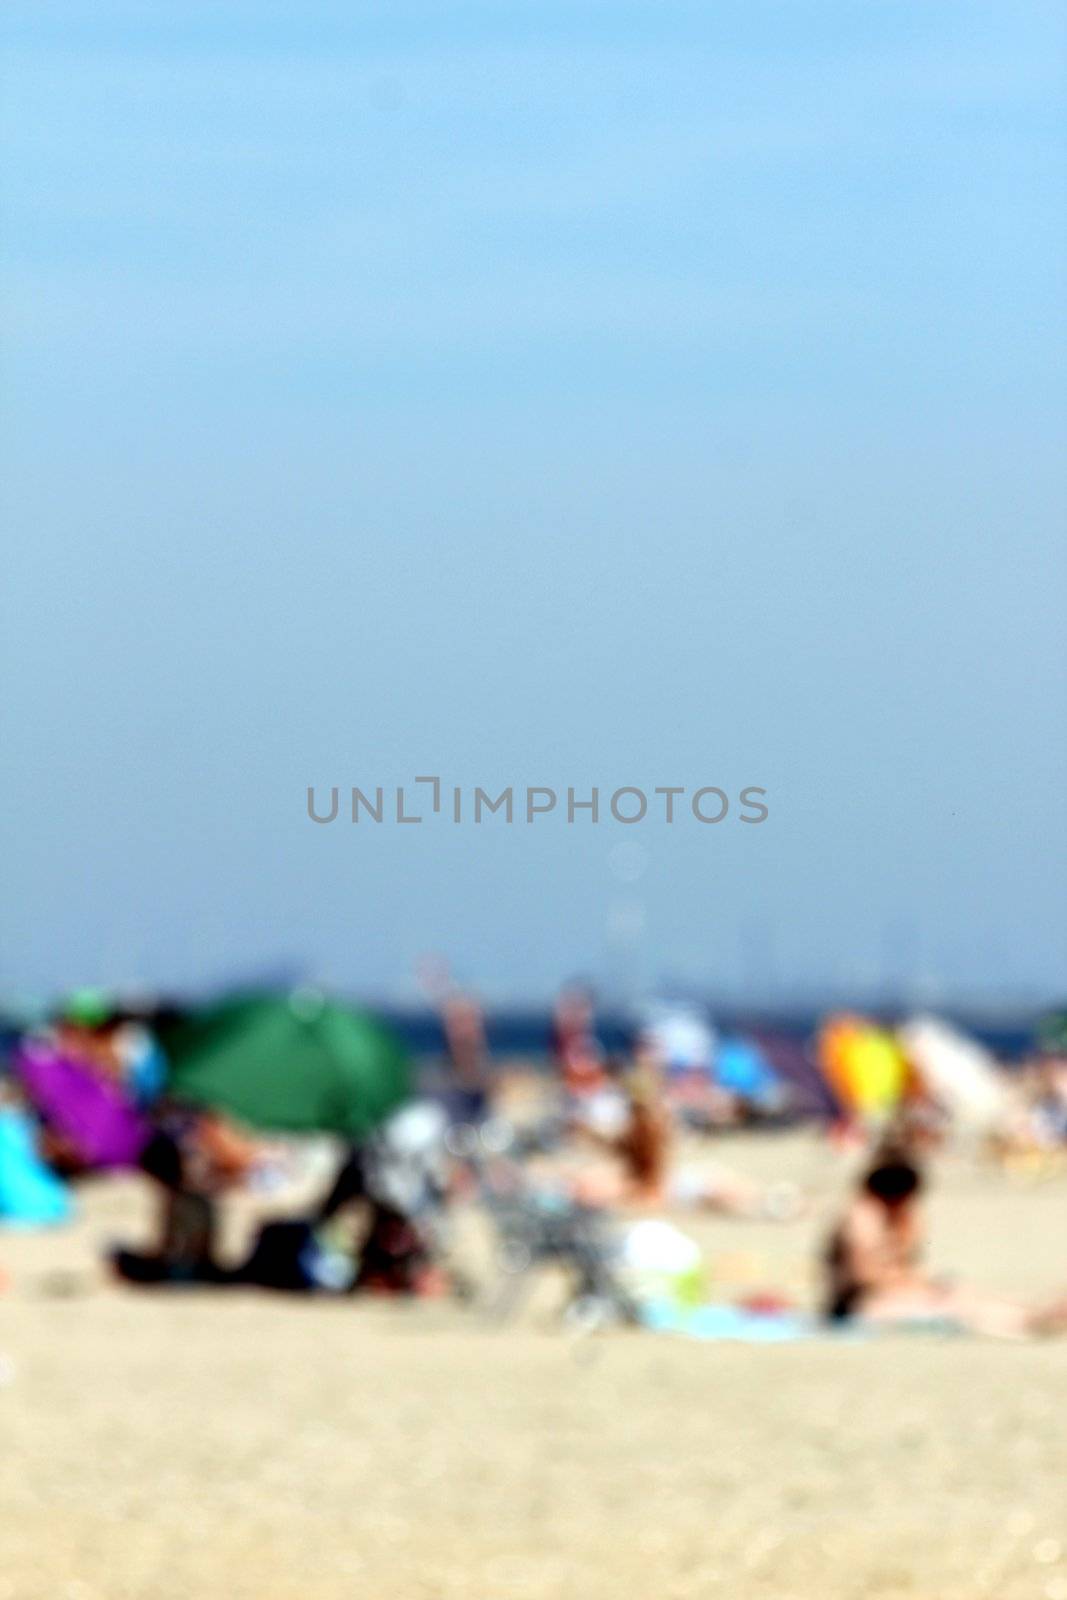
93	1114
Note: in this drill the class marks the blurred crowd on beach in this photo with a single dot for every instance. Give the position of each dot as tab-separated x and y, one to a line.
586	1156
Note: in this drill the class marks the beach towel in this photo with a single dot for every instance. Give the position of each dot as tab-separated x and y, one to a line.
30	1193
728	1322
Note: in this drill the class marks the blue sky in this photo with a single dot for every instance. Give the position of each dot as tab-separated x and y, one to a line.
601	393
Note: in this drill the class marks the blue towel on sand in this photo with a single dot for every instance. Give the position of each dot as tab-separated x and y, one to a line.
728	1322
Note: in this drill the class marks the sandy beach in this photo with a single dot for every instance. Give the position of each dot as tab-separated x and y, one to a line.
239	1445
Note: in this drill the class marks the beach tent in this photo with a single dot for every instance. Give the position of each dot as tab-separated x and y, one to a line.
863	1064
298	1063
741	1068
956	1071
93	1114
682	1036
30	1193
792	1058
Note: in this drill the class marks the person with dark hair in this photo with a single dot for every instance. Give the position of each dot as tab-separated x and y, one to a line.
875	1248
874	1265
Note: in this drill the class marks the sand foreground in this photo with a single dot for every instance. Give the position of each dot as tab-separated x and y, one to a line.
197	1446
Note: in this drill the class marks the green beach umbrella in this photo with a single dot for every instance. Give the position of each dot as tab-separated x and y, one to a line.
296	1064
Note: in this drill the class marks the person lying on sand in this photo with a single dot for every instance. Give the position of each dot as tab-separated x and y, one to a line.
874	1265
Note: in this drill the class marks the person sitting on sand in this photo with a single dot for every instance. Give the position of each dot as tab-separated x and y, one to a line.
874	1265
644	1148
193	1156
